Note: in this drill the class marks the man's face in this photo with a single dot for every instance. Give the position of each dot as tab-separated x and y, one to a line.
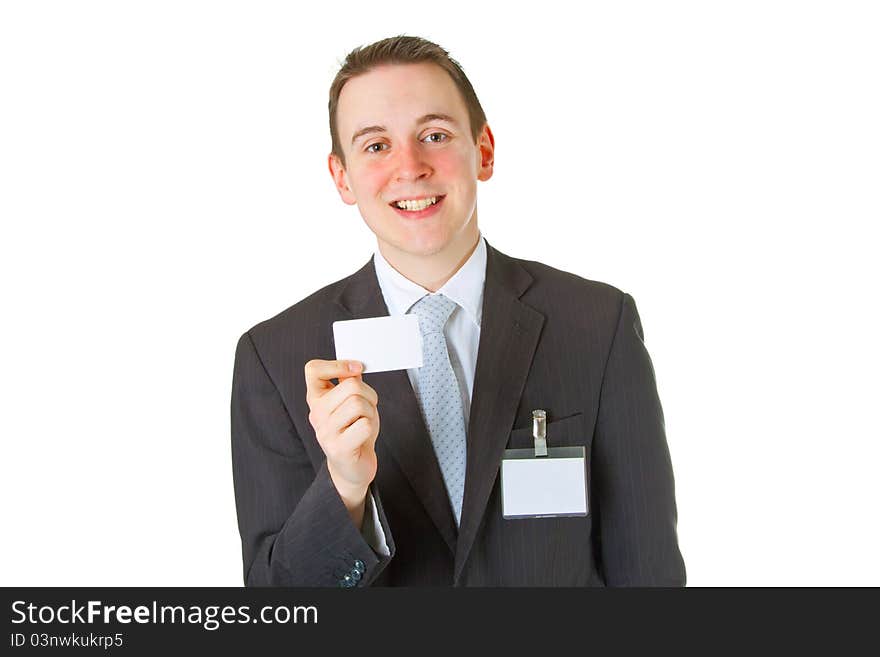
397	147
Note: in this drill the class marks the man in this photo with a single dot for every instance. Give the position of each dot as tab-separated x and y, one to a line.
344	478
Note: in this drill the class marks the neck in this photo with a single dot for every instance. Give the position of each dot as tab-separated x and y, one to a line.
432	271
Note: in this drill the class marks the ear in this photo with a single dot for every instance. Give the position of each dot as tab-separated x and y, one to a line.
486	148
340	179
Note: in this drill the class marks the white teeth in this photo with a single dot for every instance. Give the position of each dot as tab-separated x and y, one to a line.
416	205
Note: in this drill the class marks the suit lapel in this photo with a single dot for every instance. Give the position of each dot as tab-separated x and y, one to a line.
402	432
509	335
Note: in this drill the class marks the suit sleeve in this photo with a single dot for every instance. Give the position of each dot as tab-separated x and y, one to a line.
295	529
632	470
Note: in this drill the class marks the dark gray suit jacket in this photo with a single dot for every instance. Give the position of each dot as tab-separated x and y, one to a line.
548	340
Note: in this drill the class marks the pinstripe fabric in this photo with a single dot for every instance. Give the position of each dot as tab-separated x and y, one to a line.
549	340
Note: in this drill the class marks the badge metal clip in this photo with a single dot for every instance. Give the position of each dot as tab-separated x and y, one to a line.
539	431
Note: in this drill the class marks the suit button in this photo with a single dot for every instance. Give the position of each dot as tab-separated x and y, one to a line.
347	581
356	575
359	566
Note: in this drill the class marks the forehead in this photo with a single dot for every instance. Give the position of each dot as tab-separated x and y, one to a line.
397	94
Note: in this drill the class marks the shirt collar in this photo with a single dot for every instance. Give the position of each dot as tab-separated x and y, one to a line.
465	287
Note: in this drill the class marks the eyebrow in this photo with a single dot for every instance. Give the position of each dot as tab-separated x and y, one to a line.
425	119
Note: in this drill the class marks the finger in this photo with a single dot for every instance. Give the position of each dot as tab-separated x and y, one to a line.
331	400
350	411
357	435
318	374
353	432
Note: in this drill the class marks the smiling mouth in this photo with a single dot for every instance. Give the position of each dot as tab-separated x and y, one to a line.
417	205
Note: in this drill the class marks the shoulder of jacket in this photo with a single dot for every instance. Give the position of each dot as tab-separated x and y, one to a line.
566	282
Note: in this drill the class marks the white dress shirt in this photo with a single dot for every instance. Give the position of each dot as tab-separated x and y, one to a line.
462	332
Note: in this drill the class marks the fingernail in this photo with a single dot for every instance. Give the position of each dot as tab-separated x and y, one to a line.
354	366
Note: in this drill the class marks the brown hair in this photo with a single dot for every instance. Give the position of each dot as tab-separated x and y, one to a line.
402	50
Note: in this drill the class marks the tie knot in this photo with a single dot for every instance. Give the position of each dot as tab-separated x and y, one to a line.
433	311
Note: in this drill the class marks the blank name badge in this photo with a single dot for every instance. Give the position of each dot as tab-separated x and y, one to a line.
544	482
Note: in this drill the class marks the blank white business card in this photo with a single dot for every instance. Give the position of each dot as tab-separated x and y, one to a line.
382	344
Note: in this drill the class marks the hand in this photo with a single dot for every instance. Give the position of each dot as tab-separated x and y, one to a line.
346	422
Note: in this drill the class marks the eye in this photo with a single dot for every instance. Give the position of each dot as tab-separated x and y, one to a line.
438	134
369	148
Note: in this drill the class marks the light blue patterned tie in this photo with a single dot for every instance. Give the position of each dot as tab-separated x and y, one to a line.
439	396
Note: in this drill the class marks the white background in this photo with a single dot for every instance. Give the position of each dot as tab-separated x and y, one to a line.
163	187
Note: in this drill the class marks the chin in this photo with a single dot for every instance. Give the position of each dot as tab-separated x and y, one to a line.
423	250
421	247
416	242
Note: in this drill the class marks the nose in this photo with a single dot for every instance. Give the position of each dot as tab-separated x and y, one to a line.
410	163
